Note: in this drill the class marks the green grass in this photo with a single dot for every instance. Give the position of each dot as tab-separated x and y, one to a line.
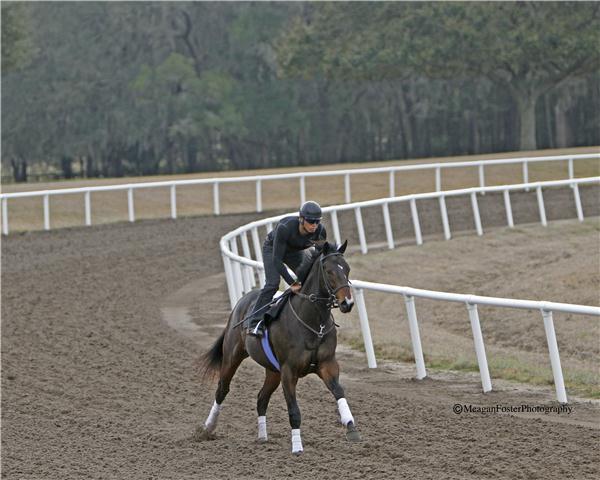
583	382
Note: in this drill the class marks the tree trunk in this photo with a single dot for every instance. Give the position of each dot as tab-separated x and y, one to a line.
527	122
405	105
192	156
548	123
19	168
66	165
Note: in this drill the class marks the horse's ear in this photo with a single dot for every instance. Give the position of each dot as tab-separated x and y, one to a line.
342	249
325	250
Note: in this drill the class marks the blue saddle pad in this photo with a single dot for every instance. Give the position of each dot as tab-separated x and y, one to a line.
266	346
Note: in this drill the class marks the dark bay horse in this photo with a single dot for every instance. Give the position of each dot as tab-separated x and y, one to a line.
303	340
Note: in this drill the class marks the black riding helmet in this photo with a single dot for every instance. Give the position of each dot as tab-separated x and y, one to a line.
311	211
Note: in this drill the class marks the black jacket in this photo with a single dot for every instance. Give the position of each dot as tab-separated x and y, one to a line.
286	237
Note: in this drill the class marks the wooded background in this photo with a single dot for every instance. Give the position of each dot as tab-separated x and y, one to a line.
105	89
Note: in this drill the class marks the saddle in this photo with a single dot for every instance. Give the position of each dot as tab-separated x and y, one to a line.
274	311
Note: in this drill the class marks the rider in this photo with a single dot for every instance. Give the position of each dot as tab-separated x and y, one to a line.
285	245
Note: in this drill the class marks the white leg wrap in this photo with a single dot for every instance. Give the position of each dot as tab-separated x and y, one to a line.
344	409
211	421
262	428
296	441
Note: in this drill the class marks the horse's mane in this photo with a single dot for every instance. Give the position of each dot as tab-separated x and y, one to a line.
315	255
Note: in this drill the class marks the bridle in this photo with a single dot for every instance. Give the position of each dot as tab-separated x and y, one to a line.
331	300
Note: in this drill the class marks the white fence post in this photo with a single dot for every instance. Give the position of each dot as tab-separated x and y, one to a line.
130	205
388	225
571	170
540	199
230	280
216	204
237	271
259	207
481	177
479	348
88	208
364	325
347	193
5	216
415	219
336	227
438	179
559	382
578	202
173	202
476	214
392	183
361	231
415	337
507	206
256	244
445	222
302	189
525	175
46	212
247	268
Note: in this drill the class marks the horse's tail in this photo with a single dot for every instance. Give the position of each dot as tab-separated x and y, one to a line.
210	362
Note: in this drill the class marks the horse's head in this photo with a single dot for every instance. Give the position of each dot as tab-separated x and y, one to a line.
335	273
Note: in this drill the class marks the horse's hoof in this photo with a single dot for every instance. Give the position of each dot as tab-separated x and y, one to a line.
262	440
202	435
298	453
352	434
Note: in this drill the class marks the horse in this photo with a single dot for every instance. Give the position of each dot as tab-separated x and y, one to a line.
303	340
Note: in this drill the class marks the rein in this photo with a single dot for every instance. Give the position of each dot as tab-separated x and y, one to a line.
330	301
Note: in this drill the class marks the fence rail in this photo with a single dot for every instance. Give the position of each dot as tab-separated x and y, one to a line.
243	272
259	179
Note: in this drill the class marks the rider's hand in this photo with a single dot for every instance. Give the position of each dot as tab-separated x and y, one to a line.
295	287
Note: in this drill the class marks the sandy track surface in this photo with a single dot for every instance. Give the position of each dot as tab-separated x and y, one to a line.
96	382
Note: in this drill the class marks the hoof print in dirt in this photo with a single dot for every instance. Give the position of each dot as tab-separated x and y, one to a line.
202	435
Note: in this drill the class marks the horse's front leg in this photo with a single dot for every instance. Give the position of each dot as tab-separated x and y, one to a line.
330	373
289	380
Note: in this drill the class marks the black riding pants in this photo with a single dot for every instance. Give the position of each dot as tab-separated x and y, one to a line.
297	261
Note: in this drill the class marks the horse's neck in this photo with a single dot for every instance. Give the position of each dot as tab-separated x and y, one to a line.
314	285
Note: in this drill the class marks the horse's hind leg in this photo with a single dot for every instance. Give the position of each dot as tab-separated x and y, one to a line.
228	368
330	374
272	380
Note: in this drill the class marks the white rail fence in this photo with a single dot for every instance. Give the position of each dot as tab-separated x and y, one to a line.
258	180
244	272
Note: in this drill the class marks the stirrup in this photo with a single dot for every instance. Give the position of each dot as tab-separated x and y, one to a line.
257	330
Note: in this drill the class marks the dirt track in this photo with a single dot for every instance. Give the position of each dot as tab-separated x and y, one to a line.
96	384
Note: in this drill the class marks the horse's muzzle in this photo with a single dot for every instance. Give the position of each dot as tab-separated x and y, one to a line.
346	305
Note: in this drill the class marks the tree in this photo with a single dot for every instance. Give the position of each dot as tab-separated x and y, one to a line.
16	42
525	48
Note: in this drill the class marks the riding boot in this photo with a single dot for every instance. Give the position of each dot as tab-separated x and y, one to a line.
255	322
